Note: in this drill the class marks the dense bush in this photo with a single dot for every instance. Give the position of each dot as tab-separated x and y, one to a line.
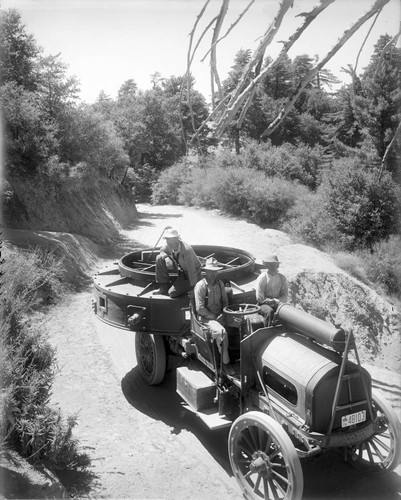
167	188
295	163
300	163
29	424
383	265
308	221
236	190
364	208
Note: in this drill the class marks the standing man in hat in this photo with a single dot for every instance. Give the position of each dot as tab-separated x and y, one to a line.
210	299
271	288
176	256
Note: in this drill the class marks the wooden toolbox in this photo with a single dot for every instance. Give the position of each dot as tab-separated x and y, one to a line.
195	388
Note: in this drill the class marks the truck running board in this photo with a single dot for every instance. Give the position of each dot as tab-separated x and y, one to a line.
210	417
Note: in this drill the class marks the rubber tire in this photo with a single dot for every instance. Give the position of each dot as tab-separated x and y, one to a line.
394	428
270	427
151	357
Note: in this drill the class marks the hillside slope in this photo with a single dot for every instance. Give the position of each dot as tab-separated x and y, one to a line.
94	208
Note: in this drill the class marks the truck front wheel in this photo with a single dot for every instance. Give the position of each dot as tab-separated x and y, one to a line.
151	357
263	459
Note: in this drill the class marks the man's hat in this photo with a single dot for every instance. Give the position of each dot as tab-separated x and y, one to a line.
171	233
271	259
212	265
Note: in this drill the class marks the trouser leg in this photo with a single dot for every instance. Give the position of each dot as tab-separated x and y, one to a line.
268	313
219	334
162	273
180	286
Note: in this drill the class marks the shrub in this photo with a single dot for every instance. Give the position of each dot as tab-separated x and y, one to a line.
166	189
198	190
27	364
243	192
294	163
383	265
270	200
32	278
352	264
363	208
308	220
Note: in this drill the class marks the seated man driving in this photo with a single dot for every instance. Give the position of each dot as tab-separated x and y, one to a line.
210	299
271	288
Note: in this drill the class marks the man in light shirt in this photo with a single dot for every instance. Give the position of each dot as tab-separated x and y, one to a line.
210	299
271	288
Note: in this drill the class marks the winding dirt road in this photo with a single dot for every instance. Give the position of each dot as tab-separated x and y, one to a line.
141	443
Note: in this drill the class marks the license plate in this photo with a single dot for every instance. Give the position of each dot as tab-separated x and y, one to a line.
354	418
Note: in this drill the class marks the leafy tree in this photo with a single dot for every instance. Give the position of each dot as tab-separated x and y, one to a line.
279	80
382	96
127	91
90	139
163	135
29	138
345	115
18	51
176	104
56	89
104	104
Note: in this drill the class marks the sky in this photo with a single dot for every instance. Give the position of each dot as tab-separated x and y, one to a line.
106	42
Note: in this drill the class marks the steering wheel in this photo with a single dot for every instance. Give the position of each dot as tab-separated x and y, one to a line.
241	309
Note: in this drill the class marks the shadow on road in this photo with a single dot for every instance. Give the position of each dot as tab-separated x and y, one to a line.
151	216
161	402
325	477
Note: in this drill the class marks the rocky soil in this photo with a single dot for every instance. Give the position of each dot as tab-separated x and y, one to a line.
142	444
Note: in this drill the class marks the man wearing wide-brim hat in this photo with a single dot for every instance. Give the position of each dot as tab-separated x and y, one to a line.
271	288
210	299
176	256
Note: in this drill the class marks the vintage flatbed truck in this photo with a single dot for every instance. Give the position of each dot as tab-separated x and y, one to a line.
298	388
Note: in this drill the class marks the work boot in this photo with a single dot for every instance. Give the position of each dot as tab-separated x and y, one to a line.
163	290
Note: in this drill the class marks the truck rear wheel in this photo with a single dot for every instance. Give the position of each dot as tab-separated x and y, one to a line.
151	357
263	458
381	453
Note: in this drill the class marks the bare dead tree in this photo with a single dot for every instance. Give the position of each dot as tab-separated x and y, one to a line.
239	100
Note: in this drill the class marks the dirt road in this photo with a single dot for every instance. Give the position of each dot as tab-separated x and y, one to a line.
141	443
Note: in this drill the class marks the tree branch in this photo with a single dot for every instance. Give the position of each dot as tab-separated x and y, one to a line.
237	100
213	54
388	149
229	29
379	4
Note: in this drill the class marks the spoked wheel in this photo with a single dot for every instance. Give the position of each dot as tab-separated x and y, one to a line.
263	458
381	453
151	357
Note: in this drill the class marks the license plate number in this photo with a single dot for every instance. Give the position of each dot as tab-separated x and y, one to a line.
354	418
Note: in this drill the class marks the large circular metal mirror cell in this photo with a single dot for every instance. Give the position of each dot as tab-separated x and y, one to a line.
263	459
381	453
151	357
236	264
